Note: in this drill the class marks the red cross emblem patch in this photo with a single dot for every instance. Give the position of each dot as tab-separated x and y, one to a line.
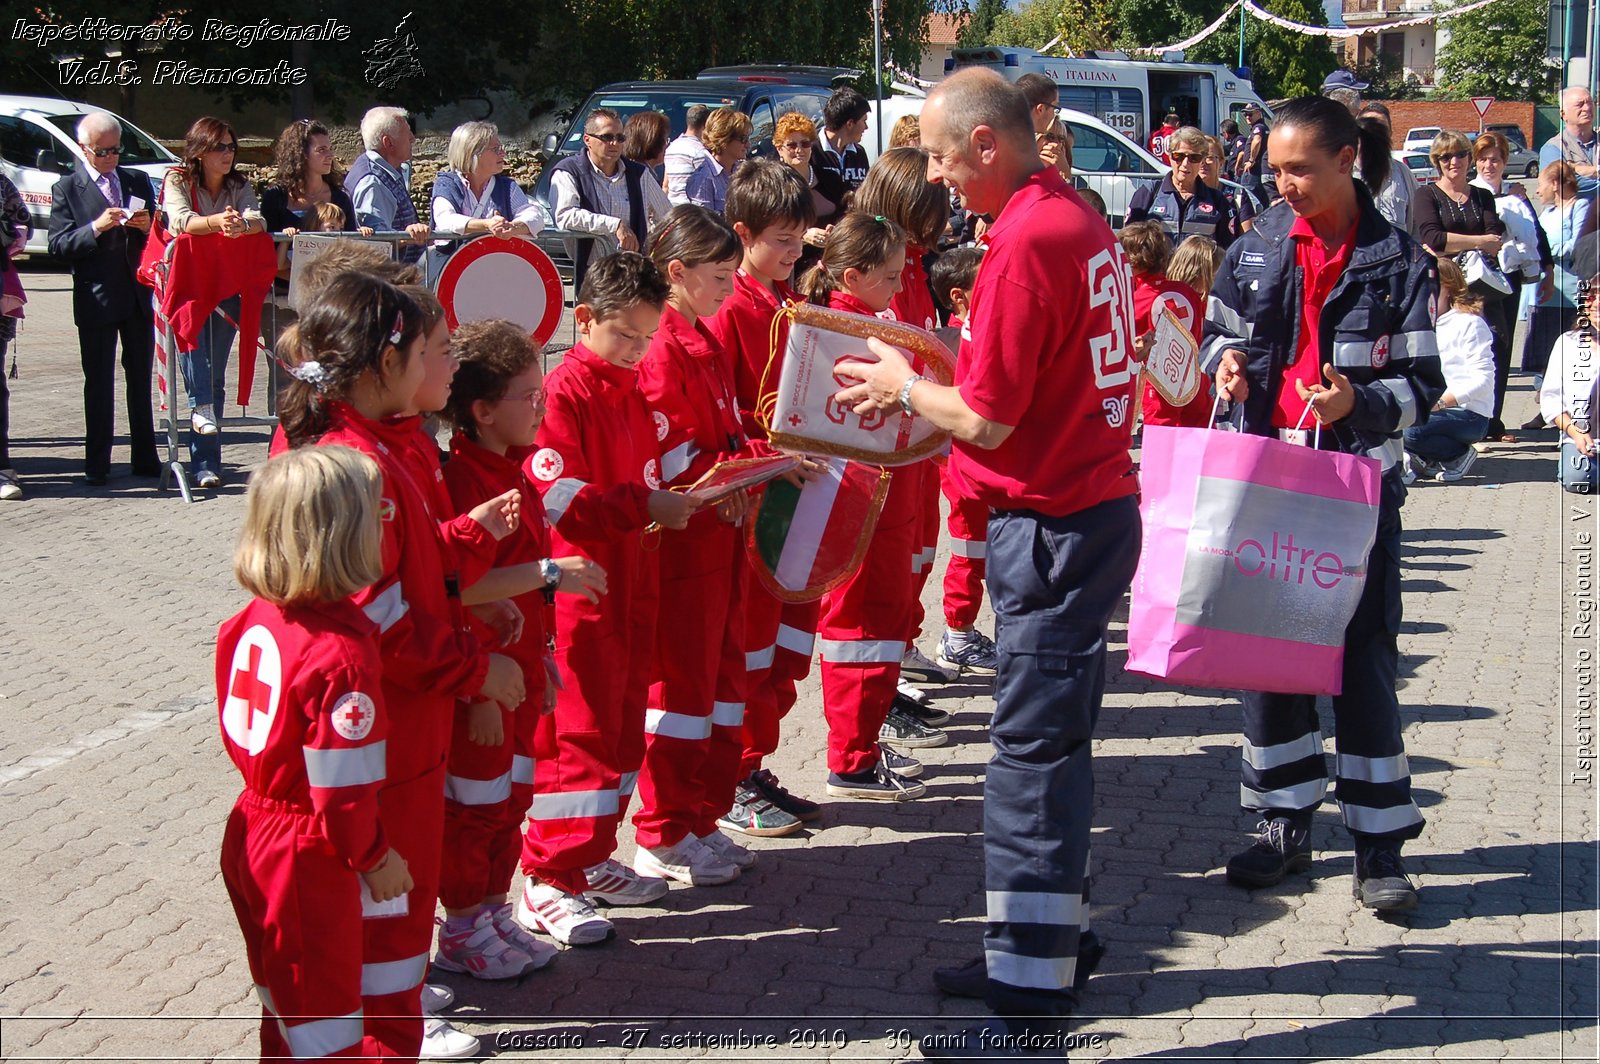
354	715
546	464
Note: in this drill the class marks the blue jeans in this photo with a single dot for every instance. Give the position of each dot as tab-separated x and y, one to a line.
1054	582
1446	435
1577	472
205	371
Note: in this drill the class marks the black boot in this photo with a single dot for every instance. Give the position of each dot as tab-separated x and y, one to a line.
1283	846
1381	881
971	980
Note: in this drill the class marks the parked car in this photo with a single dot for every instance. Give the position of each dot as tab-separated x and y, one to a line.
1523	161
38	144
762	92
1420	164
1419	138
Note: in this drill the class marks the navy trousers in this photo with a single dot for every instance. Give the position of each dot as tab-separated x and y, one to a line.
1054	582
1285	770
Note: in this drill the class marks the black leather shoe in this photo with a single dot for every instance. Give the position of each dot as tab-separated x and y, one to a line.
95	480
147	471
999	1039
971	980
1381	881
1283	845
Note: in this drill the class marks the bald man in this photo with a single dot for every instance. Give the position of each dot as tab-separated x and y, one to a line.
1048	344
1576	143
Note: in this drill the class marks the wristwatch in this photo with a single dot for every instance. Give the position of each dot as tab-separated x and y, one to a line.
905	394
552	578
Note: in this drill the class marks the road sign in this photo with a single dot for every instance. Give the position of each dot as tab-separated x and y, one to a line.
1482	103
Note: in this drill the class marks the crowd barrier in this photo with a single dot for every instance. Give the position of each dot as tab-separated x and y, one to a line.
172	416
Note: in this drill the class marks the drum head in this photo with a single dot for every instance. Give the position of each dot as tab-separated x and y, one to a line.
502	277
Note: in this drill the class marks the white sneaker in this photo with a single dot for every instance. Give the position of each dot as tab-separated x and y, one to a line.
567	918
919	666
727	849
10	484
539	950
203	421
479	951
208	480
615	883
1456	468
440	1041
916	694
687	861
436	997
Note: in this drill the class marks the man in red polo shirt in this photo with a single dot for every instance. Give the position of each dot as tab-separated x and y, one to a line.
1042	415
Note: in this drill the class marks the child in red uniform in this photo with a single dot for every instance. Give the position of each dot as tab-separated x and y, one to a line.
360	372
299	690
862	633
496	404
1149	251
694	727
962	647
770	208
598	471
897	188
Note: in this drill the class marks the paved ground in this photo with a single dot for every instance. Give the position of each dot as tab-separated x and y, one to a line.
117	942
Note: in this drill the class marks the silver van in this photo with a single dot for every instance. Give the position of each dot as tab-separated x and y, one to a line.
38	144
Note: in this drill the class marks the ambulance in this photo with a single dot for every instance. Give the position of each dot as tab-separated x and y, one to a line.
1129	95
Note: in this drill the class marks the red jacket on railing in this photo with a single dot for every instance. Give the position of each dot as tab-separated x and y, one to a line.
202	271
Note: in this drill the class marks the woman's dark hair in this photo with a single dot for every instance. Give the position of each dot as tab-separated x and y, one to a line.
647	133
206	134
345	331
897	187
1333	127
693	235
292	152
856	242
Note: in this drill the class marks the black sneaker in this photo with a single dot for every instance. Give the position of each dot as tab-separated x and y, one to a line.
1283	846
876	782
900	764
905	732
971	980
932	716
753	813
1381	881
764	782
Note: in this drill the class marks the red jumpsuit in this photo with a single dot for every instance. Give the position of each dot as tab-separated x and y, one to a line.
694	727
913	304
1150	293
968	525
488	788
298	690
430	660
597	461
779	637
863	627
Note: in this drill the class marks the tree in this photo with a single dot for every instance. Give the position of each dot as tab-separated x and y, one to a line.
1033	25
1282	62
980	27
1498	51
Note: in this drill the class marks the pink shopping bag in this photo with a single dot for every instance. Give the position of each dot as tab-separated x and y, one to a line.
1253	560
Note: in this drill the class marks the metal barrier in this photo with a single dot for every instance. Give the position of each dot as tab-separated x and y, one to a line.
276	315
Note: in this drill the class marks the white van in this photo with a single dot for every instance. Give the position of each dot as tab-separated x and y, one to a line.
1130	95
38	144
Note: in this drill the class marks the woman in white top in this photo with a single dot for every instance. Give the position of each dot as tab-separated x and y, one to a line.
1567	398
1441	447
470	197
1563	220
203	196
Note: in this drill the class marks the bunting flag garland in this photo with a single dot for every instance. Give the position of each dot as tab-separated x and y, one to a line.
1341	33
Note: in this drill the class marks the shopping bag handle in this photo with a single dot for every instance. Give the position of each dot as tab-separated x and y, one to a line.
1317	438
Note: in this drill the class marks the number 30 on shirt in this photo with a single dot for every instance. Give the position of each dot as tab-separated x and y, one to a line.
1111	288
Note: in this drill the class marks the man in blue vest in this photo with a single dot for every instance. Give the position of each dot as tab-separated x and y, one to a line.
608	202
376	184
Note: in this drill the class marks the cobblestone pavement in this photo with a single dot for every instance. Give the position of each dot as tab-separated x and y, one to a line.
117	941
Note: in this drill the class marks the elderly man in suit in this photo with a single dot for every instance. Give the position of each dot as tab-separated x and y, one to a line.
93	228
